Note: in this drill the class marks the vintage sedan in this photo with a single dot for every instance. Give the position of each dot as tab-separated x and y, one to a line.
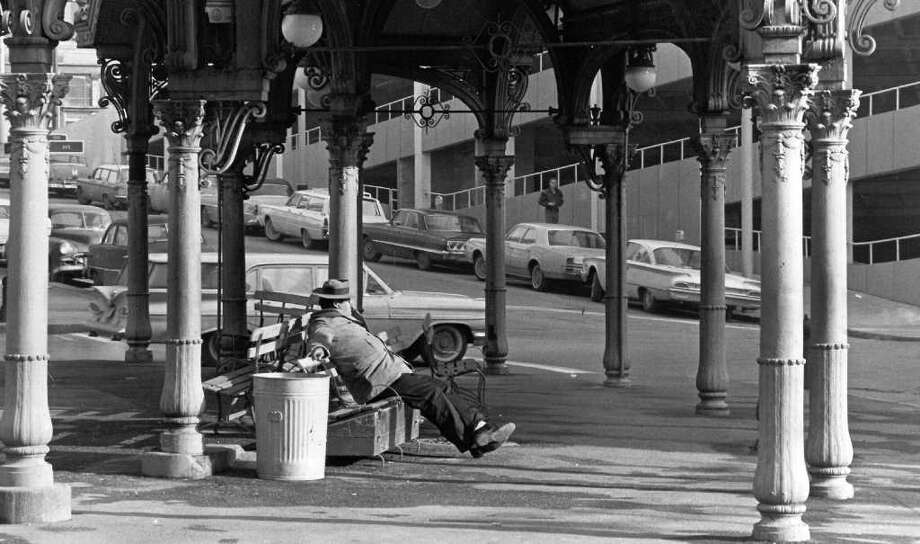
109	185
105	259
458	320
74	227
426	236
305	216
660	272
4	226
541	252
272	191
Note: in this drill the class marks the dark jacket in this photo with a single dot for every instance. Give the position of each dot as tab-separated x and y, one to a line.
365	363
550	198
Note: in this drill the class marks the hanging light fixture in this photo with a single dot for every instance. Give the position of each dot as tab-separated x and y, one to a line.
428	4
302	25
640	68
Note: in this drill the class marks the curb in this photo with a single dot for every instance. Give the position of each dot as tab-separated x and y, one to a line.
866	335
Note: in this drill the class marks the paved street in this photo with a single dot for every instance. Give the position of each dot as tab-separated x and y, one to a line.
588	463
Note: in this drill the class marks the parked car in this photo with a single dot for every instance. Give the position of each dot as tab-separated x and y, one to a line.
660	272
63	176
541	252
5	171
427	236
4	226
105	259
74	227
109	185
458	320
273	191
305	215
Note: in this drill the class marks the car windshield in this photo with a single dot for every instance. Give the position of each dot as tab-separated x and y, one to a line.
271	189
678	257
63	220
460	223
576	238
159	276
156	233
370	208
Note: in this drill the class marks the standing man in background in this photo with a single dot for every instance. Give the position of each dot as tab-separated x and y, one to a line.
551	199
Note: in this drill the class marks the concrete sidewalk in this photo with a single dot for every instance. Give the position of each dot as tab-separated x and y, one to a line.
588	464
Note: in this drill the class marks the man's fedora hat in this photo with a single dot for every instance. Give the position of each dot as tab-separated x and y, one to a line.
333	289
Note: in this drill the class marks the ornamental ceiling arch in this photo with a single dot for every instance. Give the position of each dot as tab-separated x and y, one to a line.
458	44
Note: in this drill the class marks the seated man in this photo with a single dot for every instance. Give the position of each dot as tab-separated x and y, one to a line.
372	372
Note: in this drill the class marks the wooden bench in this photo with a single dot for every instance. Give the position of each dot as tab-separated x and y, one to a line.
269	348
364	430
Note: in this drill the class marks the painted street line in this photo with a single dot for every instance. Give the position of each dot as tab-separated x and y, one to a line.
630	316
550	368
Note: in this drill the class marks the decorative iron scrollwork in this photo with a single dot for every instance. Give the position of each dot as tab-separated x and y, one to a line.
115	82
426	114
225	126
862	43
264	153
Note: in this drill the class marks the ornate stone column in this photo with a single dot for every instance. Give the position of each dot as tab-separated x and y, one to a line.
27	489
713	148
348	142
494	164
616	362
137	328
828	449
781	93
182	399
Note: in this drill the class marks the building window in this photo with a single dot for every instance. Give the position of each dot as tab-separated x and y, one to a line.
80	94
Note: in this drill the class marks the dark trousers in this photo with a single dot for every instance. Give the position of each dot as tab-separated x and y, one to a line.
450	413
551	214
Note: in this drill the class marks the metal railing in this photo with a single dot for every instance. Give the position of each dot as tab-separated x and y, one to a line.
885	250
891	99
386	195
734	241
157	162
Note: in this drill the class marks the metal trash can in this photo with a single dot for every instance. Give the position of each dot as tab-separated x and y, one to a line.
291	412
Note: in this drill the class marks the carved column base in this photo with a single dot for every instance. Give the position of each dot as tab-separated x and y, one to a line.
781	523
138	354
183	438
713	404
496	366
616	379
26	467
35	504
157	464
831	483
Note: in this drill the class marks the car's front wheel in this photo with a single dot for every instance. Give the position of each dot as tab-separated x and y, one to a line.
306	240
270	231
537	279
479	267
210	349
423	260
370	251
597	292
649	302
81	196
448	344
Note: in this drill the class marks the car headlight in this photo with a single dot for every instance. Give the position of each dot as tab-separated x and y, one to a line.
66	248
456	245
251	209
579	260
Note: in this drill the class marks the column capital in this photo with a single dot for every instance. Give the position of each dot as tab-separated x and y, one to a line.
494	168
183	121
347	140
831	113
30	99
713	149
781	92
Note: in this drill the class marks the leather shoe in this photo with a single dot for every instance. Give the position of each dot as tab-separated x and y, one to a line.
488	438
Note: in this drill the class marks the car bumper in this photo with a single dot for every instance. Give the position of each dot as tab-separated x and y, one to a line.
479	338
452	257
692	296
252	221
62	186
70	267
